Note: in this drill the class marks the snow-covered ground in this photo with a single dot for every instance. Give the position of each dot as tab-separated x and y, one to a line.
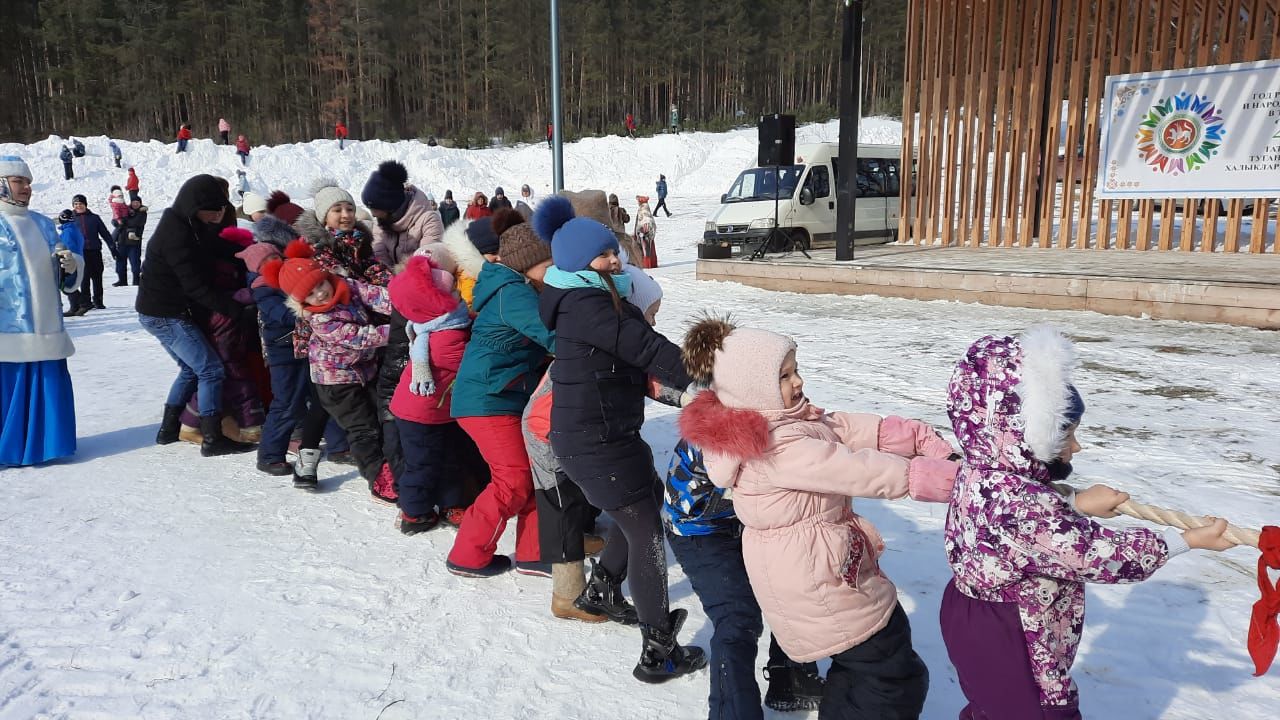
139	581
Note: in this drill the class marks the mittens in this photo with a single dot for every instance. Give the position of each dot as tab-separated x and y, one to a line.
420	380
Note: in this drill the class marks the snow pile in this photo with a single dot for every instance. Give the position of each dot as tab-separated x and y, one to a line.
695	163
145	581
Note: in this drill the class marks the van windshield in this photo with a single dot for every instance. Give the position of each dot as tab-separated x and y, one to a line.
759	183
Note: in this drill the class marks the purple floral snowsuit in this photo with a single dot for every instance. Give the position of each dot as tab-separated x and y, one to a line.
1010	538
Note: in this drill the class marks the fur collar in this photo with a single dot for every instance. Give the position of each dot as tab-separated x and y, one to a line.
1048	360
717	428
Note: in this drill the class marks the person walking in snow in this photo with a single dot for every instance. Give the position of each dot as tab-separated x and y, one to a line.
618	216
77	148
631	126
66	157
36	399
1020	549
224	131
115	152
499	371
95	236
129	242
184	136
675	119
449	212
132	185
605	351
813	562
242	149
174	280
439	325
340	132
661	189
346	334
550	135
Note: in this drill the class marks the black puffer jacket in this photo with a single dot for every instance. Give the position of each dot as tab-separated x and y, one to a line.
174	277
603	359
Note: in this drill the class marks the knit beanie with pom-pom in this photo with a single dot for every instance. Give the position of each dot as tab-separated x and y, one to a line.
298	273
385	188
575	241
440	256
518	245
480	233
422	291
740	364
327	193
280	205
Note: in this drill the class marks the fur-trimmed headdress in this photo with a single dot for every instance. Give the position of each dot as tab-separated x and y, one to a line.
740	364
422	291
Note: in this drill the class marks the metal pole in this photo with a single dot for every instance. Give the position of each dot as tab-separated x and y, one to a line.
850	113
557	137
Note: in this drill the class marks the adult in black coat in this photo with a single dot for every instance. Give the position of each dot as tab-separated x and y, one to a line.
129	245
605	352
174	281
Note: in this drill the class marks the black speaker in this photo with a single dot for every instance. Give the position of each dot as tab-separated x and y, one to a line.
777	140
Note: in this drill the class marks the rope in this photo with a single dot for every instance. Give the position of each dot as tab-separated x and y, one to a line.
1178	519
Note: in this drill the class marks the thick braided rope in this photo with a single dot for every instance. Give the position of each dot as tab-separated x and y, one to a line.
1181	520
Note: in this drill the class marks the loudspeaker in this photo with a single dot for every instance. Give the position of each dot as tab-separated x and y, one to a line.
777	140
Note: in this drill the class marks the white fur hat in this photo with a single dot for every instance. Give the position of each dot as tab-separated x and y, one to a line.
252	202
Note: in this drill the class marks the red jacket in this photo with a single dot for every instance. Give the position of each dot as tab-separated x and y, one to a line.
340	131
132	183
184	133
445	348
242	145
475	212
631	122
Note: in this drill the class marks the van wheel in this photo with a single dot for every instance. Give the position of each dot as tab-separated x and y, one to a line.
802	238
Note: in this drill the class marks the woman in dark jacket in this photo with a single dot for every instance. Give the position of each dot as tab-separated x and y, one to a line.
174	282
605	351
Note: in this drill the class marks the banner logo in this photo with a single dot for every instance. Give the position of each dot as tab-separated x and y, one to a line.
1180	134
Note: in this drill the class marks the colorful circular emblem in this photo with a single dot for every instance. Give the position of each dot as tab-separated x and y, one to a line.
1180	134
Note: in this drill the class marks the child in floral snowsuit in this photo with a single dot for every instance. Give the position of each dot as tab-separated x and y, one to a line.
342	350
1021	551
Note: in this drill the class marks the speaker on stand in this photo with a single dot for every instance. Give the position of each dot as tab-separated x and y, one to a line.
777	147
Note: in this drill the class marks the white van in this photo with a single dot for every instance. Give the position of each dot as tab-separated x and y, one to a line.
806	199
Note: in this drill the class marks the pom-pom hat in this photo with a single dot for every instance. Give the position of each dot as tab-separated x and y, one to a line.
298	274
280	205
518	245
327	193
575	241
740	364
480	233
385	188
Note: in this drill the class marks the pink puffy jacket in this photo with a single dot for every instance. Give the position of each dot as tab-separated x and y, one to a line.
420	226
812	561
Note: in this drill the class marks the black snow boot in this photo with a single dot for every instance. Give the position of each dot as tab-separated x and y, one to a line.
793	687
603	596
170	423
662	657
215	443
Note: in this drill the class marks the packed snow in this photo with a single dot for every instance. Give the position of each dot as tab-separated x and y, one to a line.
147	582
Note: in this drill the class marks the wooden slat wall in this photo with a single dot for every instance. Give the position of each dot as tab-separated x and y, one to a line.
978	75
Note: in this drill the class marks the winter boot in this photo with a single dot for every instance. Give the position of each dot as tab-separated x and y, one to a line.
662	658
410	525
383	487
603	596
304	469
187	433
536	568
169	424
793	687
279	469
496	566
214	443
454	515
592	544
567	583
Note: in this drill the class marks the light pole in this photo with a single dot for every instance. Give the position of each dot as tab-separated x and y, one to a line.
850	114
557	150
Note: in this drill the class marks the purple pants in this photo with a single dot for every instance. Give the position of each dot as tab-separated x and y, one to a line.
985	642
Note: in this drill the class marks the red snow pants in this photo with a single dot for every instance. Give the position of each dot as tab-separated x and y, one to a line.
509	494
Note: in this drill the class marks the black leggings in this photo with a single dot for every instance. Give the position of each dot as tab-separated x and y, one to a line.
635	545
314	423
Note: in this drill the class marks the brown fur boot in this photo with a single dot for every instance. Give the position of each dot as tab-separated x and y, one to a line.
567	582
592	545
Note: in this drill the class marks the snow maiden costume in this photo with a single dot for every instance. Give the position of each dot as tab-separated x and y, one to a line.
1021	552
37	410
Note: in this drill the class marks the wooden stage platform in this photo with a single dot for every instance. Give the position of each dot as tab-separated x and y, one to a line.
1239	289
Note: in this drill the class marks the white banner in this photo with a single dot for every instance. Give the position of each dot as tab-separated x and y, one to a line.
1211	132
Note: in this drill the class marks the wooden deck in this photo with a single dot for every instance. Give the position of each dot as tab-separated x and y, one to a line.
1238	289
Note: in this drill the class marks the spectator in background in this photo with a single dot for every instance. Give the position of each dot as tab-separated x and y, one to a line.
77	148
499	200
65	156
479	207
132	185
184	135
242	149
449	212
631	126
95	234
115	152
618	214
661	187
224	131
129	242
340	132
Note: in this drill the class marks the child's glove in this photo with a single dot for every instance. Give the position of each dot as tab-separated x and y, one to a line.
420	380
67	261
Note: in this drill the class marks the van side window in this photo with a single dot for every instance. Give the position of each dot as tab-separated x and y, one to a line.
819	182
872	179
893	182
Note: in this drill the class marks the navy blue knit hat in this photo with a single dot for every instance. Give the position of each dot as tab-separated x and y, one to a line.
1075	407
575	241
480	233
385	189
